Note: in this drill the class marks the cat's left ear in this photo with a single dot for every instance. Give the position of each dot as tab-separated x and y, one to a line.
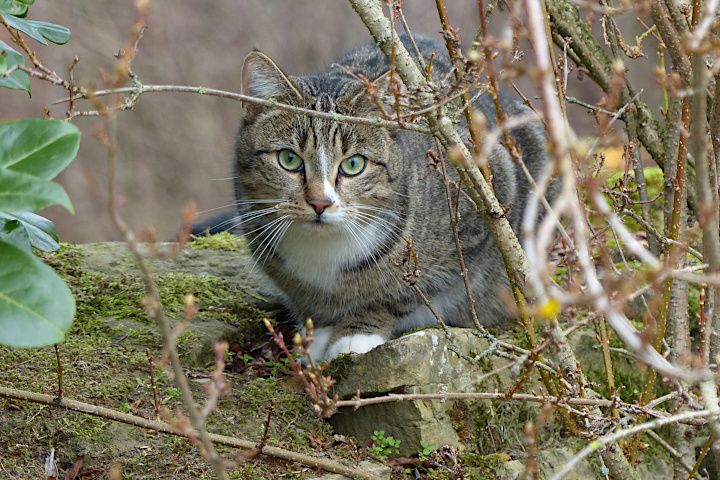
261	78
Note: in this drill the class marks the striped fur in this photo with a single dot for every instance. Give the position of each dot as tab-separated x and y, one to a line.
339	265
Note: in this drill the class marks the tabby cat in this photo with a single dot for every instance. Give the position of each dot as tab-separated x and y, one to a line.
326	206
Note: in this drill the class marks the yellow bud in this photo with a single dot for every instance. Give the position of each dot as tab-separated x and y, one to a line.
268	325
550	309
189	300
618	65
297	339
309	324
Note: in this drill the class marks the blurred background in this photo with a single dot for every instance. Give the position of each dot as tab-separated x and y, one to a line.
177	148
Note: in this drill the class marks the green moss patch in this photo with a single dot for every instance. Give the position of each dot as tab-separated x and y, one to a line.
224	241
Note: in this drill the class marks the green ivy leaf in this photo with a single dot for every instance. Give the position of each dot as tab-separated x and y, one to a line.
17	80
20	192
55	33
39	232
36	306
39	31
25	26
42	148
15	7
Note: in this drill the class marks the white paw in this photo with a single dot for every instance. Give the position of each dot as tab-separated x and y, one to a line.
358	343
319	345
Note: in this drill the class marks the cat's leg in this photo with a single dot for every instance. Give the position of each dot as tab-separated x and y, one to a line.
326	345
321	339
357	343
360	333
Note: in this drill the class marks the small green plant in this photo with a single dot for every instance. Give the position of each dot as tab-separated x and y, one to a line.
173	393
384	446
283	365
246	358
426	450
275	367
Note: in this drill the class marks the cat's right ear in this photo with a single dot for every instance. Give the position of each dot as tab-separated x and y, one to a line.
261	78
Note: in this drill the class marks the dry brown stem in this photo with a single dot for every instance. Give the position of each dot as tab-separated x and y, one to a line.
153	303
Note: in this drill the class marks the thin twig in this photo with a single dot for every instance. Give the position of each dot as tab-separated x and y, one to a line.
59	370
153	383
702	455
454	217
357	402
266	430
138	90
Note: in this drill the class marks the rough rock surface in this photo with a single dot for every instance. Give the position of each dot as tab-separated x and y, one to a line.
421	362
424	362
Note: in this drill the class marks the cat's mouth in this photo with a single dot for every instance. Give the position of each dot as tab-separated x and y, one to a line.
322	220
319	224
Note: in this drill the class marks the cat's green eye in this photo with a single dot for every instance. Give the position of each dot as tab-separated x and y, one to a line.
353	165
290	160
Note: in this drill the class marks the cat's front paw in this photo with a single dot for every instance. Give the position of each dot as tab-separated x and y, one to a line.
358	343
318	348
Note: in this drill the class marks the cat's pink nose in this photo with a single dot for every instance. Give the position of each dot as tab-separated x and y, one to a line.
319	205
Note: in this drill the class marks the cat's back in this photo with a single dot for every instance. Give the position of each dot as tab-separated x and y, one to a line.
369	61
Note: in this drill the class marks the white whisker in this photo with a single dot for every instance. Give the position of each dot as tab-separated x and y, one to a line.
389	227
404	195
250	216
388	212
263	229
268	238
278	239
240	202
384	269
259	202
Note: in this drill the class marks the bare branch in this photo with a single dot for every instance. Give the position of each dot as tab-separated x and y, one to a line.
138	90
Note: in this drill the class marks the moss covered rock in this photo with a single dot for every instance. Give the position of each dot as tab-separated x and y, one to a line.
105	362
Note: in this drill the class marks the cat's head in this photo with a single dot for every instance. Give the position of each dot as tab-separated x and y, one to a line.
323	176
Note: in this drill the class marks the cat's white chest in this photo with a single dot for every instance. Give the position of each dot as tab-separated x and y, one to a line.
319	258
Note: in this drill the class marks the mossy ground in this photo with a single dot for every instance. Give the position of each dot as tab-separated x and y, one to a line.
104	361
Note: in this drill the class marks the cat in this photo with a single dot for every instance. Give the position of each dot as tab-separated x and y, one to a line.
326	207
